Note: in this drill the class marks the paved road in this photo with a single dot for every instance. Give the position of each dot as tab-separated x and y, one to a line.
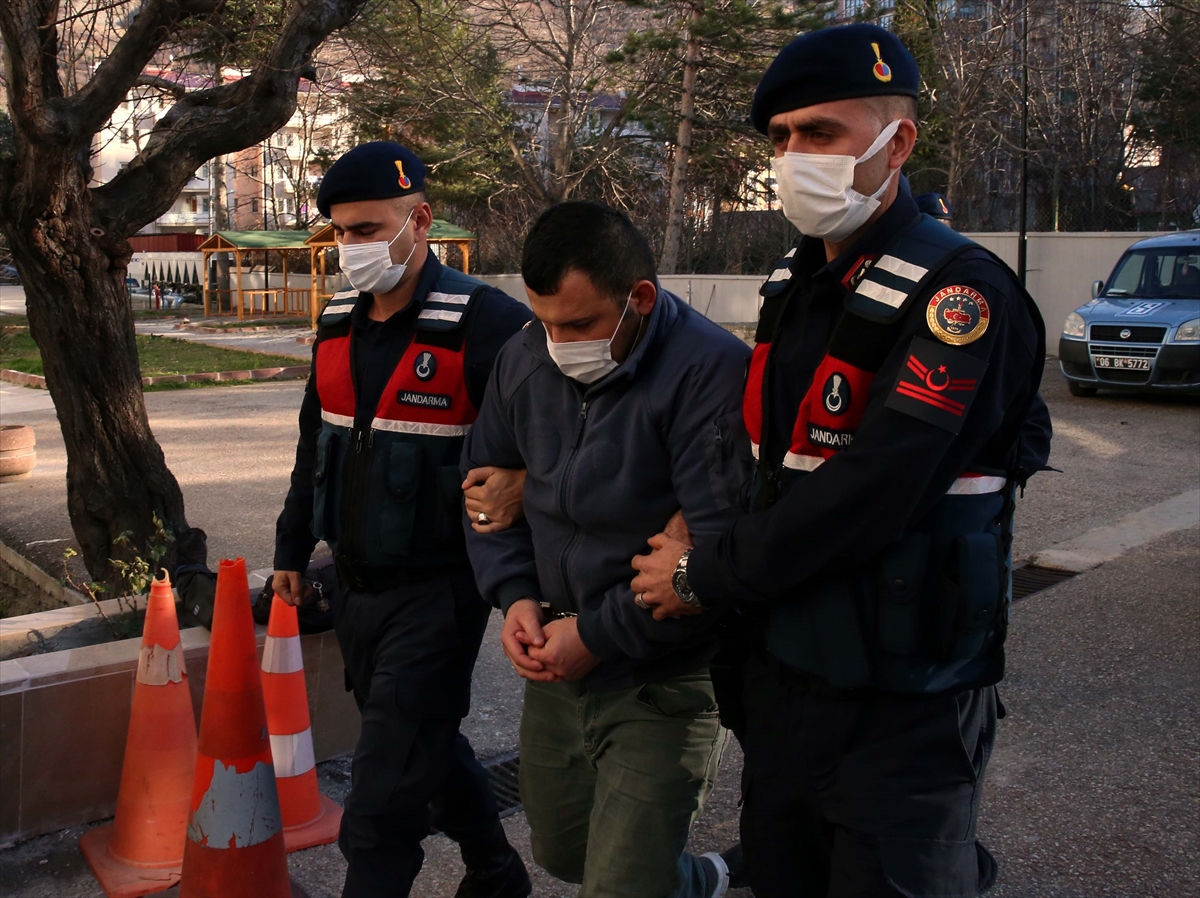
1094	786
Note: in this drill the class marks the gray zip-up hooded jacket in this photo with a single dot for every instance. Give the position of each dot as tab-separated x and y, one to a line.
608	464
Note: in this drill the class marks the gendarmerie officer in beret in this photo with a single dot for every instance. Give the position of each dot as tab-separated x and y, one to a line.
893	410
935	206
400	365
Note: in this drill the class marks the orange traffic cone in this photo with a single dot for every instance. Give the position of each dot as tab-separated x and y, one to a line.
234	845
142	850
309	818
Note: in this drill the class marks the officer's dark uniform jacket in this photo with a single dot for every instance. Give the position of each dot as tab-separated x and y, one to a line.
382	426
892	405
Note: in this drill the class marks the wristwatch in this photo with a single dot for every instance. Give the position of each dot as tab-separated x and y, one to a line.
679	580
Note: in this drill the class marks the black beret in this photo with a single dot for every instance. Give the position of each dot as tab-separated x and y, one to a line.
840	63
371	171
934	204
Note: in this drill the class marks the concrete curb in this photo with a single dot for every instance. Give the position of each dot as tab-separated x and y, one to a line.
1101	544
208	329
25	380
293	371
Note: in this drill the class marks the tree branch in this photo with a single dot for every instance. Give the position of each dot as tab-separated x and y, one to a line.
86	112
31	44
219	120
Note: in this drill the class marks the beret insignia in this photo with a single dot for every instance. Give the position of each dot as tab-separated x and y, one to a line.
881	70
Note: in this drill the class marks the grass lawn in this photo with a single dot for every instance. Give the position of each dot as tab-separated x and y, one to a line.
158	355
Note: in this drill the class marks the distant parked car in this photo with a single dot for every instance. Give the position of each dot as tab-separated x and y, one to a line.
1141	331
9	275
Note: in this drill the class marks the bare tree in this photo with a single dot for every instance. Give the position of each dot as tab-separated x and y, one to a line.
69	239
964	55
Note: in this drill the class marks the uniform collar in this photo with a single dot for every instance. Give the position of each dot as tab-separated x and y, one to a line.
872	244
430	272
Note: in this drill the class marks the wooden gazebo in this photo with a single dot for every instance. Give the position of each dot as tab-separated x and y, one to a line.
265	300
286	300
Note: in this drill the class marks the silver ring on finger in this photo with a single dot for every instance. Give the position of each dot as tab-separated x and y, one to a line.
482	518
640	602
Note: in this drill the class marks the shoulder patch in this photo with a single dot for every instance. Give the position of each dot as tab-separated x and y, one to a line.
937	384
957	315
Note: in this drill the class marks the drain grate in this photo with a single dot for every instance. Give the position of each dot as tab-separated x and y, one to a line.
1029	578
504	773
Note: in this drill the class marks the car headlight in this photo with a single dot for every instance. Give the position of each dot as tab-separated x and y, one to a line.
1075	326
1189	330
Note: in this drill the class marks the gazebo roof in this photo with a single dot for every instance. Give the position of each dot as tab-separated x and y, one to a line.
228	240
440	231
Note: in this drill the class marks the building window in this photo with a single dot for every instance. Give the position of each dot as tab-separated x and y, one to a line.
852	9
885	20
885	4
124	135
291	139
206	205
254	205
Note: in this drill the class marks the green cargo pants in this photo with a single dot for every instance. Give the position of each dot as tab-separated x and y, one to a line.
612	779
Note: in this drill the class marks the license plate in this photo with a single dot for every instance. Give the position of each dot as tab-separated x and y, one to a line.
1118	361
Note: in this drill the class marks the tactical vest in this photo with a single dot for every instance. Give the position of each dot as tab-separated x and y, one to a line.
389	494
930	613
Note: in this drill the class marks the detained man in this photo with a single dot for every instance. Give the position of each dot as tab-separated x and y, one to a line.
623	404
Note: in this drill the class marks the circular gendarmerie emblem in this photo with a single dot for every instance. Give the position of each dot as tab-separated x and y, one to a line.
957	315
425	366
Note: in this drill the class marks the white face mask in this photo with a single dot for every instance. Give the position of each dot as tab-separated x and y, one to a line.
587	360
369	265
817	190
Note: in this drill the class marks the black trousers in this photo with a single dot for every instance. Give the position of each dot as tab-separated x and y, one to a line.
409	653
871	797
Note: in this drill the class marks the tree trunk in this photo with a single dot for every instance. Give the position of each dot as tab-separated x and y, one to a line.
80	318
683	151
221	223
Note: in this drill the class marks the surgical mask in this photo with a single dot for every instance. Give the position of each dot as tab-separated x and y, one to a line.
817	190
369	265
587	360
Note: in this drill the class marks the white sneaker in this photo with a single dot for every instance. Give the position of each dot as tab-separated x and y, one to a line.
718	862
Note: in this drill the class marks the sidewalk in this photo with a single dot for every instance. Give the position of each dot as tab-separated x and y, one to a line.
1094	783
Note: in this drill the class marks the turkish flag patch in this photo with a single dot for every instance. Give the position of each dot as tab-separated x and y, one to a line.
937	384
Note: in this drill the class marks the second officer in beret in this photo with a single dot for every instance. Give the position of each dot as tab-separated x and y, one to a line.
893	410
400	365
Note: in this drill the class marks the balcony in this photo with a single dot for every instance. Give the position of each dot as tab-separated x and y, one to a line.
185	219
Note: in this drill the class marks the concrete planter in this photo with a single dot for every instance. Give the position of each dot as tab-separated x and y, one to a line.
18	452
64	716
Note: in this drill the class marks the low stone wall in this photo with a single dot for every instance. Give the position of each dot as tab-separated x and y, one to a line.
64	717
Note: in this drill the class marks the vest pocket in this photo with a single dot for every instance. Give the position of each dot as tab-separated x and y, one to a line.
970	597
326	450
398	519
901	572
448	515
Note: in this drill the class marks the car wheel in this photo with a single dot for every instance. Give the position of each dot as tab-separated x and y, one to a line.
1080	389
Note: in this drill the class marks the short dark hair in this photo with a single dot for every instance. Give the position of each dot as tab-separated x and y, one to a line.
591	238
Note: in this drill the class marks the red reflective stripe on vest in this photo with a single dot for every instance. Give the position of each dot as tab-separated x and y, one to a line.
752	400
440	399
335	386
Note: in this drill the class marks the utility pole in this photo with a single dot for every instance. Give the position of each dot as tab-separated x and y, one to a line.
1023	238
